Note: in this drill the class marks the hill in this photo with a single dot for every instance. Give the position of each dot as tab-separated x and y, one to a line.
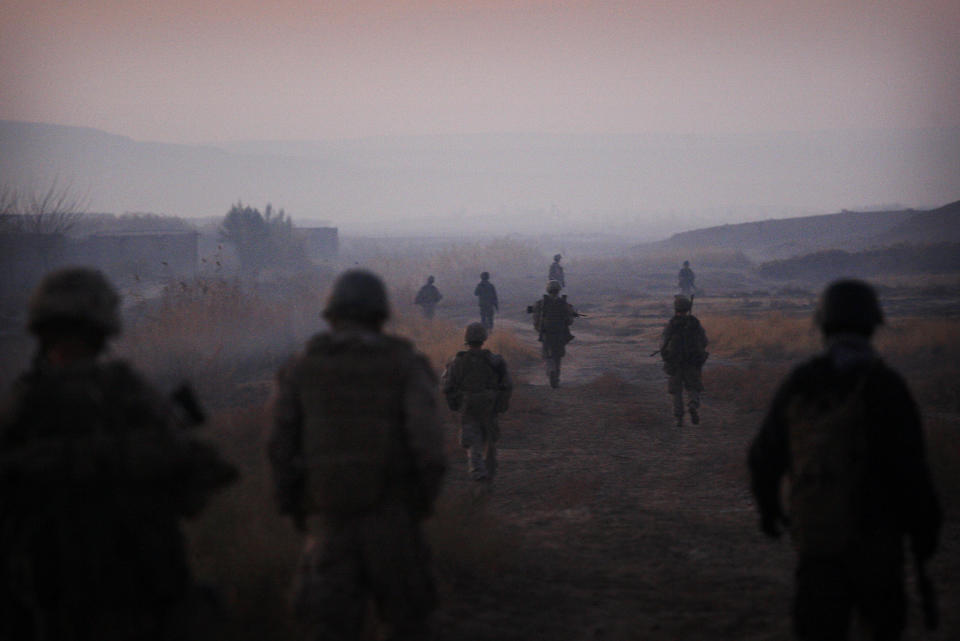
636	186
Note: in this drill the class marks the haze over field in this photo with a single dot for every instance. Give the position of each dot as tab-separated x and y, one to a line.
420	116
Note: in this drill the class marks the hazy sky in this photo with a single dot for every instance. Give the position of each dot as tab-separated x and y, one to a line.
217	70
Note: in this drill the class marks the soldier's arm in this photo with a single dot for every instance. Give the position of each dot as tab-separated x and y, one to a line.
768	459
450	384
423	430
284	445
906	453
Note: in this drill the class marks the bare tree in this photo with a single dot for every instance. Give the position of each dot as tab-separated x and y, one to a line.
56	210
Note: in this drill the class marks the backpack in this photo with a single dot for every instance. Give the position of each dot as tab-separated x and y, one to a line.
828	446
352	392
481	377
686	343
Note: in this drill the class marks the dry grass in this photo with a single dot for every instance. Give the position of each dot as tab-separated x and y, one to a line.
774	336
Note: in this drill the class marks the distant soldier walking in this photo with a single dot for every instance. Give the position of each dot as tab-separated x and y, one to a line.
556	271
685	279
552	318
486	295
427	297
845	431
683	348
95	478
357	456
476	384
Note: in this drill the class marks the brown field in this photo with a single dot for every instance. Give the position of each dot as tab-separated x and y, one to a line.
606	521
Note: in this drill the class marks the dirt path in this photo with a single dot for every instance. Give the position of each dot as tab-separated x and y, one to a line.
607	522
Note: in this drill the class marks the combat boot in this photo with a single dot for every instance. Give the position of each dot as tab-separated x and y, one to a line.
554	380
694	416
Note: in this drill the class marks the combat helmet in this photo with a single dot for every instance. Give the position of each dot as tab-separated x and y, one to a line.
553	286
476	333
430	280
686	263
358	295
75	296
484	275
848	306
682	303
557	257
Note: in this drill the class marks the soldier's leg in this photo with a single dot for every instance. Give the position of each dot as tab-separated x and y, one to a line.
823	602
397	562
693	384
329	598
490	455
675	387
471	439
881	602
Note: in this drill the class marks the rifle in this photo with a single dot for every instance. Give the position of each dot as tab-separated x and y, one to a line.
654	353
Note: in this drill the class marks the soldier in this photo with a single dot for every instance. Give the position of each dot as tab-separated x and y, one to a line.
683	348
845	430
552	318
685	277
357	456
477	384
486	295
428	297
95	479
556	271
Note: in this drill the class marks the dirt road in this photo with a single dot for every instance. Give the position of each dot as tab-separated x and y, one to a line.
608	522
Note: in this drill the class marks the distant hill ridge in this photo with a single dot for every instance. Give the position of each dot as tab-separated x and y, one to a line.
848	230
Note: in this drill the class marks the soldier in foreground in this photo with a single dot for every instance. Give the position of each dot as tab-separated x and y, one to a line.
95	479
685	279
476	384
357	457
427	297
486	295
556	271
552	318
845	430
683	348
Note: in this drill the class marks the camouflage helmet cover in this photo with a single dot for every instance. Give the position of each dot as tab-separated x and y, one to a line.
75	295
553	286
358	295
682	304
848	306
476	333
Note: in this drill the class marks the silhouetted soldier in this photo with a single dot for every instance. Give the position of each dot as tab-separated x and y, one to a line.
685	278
357	456
844	429
476	384
552	318
95	478
428	297
556	271
683	348
486	295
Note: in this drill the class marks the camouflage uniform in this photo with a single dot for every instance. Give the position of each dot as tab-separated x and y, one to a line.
427	298
357	456
552	318
685	279
486	295
556	271
95	480
894	498
683	350
477	384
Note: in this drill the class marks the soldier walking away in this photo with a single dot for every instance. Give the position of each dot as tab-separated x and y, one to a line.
683	348
486	295
556	271
476	384
357	456
428	297
685	278
95	477
552	318
845	431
